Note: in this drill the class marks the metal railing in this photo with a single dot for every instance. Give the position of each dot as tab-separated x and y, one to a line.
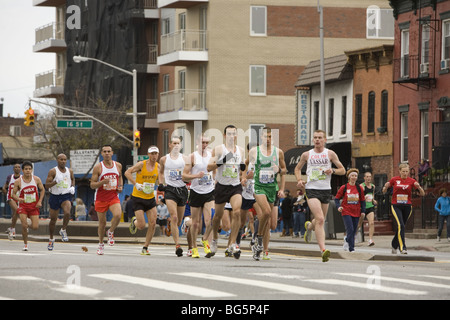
152	108
183	40
183	99
147	54
50	31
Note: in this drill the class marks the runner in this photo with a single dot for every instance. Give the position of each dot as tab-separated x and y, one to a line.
268	161
143	196
175	193
108	181
401	206
318	186
369	213
60	183
228	159
26	191
7	189
201	194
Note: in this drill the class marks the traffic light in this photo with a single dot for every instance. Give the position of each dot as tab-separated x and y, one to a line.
137	138
29	117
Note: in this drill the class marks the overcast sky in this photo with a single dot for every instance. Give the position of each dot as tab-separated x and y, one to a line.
18	63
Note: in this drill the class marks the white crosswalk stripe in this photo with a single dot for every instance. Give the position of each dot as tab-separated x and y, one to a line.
165	285
258	283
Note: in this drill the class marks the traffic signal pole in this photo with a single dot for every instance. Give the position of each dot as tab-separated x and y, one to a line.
87	116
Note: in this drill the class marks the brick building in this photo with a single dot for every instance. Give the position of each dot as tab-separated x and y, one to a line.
421	82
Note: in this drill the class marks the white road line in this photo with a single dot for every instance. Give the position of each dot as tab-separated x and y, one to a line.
164	285
365	286
280	276
433	277
258	283
408	281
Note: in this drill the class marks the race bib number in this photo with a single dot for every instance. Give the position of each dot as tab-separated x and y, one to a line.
30	197
402	198
206	180
112	185
318	174
149	188
174	174
64	184
230	171
352	198
266	176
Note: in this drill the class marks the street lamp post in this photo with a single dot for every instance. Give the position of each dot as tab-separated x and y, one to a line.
79	59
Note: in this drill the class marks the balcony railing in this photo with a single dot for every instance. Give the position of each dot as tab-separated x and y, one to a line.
152	108
183	40
50	31
183	100
50	78
147	54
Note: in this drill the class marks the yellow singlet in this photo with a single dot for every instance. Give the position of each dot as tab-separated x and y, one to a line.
148	180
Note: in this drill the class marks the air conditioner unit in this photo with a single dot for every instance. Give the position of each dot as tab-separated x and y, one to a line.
424	67
445	64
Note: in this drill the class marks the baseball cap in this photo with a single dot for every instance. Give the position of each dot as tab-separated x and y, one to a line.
153	149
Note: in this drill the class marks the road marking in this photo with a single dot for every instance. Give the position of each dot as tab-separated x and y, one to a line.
280	276
360	285
258	283
408	281
163	285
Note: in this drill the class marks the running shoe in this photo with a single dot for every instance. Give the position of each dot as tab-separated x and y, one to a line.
326	255
266	255
394	251
25	247
206	248
236	250
178	251
144	252
195	253
371	243
189	253
100	249
111	238
63	234
228	253
308	233
51	244
257	249
346	246
404	251
11	234
133	227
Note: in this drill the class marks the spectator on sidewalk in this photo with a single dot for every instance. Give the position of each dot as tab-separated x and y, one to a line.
443	207
299	214
286	212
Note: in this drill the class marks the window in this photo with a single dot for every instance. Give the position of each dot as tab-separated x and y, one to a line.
445	43
384	110
404	68
344	115
182	21
165	144
424	134
358	113
404	137
258	21
425	50
330	116
371	113
166	79
316	115
258	80
165	26
379	23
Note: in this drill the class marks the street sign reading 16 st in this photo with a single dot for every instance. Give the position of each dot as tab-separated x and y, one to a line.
74	124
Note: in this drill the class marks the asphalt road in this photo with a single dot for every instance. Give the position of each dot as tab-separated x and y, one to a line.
69	273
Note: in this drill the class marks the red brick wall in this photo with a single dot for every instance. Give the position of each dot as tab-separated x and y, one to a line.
281	79
287	21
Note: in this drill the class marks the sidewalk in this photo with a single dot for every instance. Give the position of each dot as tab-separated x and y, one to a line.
418	249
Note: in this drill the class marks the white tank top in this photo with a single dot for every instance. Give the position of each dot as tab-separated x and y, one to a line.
62	187
316	165
173	170
249	189
205	184
228	173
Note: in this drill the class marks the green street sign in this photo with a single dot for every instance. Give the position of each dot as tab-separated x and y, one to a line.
74	124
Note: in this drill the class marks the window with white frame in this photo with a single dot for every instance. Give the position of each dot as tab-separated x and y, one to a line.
404	136
445	44
379	23
405	53
424	134
258	80
258	21
425	50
